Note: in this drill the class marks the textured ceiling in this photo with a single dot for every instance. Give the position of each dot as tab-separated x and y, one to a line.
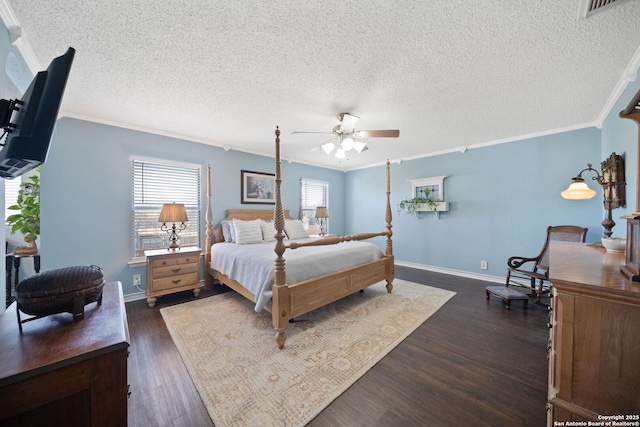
448	73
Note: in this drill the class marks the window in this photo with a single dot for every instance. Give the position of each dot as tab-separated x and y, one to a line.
11	189
313	194
154	184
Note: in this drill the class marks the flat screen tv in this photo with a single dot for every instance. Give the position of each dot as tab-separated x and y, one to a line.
28	123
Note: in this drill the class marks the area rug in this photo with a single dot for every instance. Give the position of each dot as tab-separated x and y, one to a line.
245	380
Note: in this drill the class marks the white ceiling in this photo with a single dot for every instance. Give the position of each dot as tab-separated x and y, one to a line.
448	73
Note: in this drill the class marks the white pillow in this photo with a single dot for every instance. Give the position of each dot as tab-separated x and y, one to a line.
228	231
247	232
295	229
268	231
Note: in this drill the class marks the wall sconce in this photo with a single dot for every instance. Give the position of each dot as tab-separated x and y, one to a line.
613	182
321	215
173	213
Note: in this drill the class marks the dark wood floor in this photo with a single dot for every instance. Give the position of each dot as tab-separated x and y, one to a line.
472	363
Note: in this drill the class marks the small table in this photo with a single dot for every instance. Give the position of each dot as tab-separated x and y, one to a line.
13	261
172	270
507	295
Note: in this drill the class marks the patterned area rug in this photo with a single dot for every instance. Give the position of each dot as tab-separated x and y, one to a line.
245	380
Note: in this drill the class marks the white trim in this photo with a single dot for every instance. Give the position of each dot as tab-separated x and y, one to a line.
462	149
168	162
477	276
136	296
628	76
14	26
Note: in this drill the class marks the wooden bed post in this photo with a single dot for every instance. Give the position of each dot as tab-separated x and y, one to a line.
208	279
279	306
388	217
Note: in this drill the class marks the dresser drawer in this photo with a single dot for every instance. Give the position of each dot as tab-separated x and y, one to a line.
176	269
176	281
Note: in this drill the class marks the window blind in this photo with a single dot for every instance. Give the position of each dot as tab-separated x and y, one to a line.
312	194
154	184
11	190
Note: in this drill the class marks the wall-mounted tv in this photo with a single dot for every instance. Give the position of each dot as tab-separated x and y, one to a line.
28	122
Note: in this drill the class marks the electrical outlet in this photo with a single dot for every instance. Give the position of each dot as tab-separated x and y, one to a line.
484	265
137	279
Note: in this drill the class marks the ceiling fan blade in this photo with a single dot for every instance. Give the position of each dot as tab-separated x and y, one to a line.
348	122
317	133
389	133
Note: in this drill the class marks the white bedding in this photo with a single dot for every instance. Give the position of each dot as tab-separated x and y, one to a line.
253	265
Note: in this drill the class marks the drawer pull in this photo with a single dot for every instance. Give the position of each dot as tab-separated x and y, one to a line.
175	282
176	270
164	262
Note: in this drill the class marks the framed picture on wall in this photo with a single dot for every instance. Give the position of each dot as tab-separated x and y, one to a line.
258	187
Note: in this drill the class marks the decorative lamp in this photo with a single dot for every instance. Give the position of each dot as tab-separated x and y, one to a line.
321	215
578	190
173	213
613	182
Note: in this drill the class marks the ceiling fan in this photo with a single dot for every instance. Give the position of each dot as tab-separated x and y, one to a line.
344	137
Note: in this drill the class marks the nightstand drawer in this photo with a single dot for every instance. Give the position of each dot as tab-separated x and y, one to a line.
165	262
172	270
176	281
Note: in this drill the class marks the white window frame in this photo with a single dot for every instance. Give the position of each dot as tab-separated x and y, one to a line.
193	231
308	207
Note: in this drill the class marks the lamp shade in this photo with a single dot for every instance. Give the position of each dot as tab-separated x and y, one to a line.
359	146
328	147
173	212
578	190
322	212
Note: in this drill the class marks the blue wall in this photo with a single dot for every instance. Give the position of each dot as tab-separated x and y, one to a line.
86	189
502	198
621	136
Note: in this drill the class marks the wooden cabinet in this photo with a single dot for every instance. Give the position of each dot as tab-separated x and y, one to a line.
61	372
594	355
171	271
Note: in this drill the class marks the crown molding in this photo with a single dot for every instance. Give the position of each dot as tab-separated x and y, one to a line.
18	37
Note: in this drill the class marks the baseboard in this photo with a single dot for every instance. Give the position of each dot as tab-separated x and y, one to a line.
484	277
136	296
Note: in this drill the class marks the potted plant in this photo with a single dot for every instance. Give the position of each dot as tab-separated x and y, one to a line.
417	203
27	220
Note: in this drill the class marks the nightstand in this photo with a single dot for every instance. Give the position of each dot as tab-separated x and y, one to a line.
171	271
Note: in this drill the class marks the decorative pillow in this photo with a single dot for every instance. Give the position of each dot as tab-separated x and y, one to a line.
295	229
228	231
247	232
268	231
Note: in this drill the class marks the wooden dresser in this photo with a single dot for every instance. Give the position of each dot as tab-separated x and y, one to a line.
171	271
594	355
61	372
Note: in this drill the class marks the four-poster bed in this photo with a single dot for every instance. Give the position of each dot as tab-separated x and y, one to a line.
287	301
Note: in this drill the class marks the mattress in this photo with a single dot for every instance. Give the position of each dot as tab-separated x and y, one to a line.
253	265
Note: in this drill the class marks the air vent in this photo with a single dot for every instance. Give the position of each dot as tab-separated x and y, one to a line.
589	7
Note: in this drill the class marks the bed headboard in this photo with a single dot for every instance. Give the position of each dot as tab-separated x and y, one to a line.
245	215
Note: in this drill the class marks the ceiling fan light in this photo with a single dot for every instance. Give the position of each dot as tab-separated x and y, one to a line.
347	143
341	154
328	147
359	146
